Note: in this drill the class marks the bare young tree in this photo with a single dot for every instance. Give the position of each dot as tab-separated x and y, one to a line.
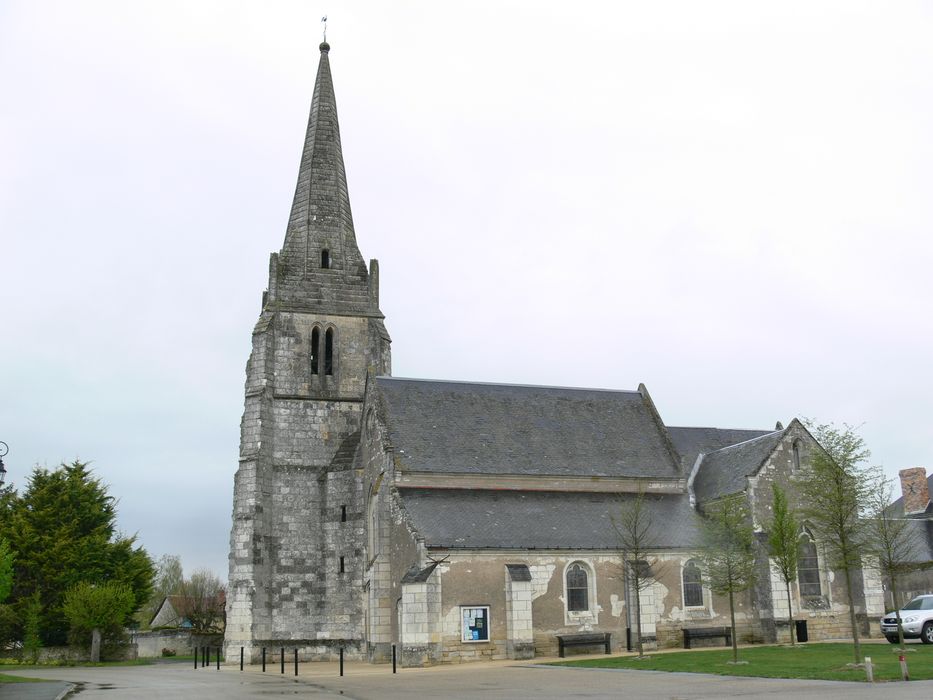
729	552
168	579
891	542
783	531
835	488
637	537
203	597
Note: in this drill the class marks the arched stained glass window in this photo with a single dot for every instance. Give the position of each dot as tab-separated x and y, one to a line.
808	567
577	589
693	585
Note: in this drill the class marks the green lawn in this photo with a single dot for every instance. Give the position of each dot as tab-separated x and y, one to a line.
7	678
821	661
20	667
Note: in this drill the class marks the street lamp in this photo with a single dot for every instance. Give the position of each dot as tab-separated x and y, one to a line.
3	450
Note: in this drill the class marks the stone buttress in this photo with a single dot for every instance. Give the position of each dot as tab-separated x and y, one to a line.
297	537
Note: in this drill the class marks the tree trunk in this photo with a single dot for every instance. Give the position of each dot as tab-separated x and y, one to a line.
735	642
95	645
641	648
790	616
852	621
897	614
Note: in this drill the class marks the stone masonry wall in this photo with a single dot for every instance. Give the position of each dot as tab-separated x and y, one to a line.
297	551
827	616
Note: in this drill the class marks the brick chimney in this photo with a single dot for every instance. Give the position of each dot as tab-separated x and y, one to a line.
916	490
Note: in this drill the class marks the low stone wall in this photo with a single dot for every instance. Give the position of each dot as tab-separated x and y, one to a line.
149	645
77	654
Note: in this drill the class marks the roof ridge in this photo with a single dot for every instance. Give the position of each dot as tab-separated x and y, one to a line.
510	384
712	427
744	442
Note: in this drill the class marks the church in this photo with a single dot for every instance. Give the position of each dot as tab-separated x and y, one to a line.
458	521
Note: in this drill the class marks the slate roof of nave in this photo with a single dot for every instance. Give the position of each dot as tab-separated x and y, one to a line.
690	442
460	427
723	472
484	519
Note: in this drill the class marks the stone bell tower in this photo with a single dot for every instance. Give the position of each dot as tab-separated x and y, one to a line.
297	537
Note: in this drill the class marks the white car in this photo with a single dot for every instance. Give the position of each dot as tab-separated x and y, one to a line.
916	619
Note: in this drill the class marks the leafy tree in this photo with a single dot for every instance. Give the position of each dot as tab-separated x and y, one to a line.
729	552
782	541
835	489
6	570
63	531
92	609
637	538
11	630
31	619
891	542
203	600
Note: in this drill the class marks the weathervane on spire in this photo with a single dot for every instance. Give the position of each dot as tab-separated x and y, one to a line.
324	22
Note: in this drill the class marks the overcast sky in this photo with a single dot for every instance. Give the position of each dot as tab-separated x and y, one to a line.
728	201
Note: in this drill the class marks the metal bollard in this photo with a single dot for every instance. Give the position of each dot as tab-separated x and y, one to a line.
218	657
296	661
207	656
195	658
263	659
341	661
241	658
393	658
282	659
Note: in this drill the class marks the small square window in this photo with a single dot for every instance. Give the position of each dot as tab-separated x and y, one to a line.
475	625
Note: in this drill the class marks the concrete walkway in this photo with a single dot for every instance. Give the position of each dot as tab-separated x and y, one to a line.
34	691
504	679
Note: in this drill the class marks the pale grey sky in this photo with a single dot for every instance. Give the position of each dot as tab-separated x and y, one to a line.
728	201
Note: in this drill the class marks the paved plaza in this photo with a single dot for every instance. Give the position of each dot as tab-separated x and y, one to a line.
492	680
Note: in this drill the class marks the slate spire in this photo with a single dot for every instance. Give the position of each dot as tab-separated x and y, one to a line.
320	261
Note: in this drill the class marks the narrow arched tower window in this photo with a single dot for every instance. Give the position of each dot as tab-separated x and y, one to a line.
329	351
325	259
796	455
315	349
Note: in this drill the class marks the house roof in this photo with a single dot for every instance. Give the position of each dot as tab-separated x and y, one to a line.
921	550
460	427
691	442
724	471
177	604
484	519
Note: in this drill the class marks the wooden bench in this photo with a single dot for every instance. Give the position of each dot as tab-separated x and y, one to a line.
583	640
691	633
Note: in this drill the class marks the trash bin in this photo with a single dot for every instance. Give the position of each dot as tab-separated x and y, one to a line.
800	628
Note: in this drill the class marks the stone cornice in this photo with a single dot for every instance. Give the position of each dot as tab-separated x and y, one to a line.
521	482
